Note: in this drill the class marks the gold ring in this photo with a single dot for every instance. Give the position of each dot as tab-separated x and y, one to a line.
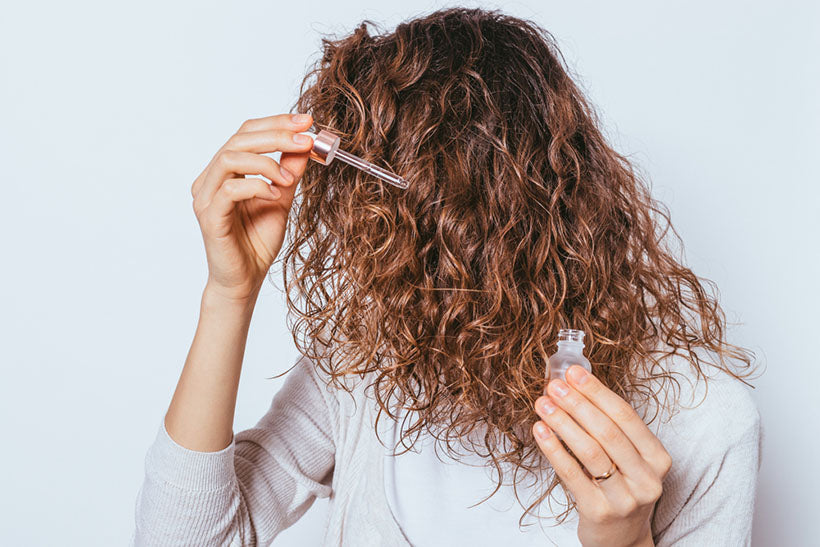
606	475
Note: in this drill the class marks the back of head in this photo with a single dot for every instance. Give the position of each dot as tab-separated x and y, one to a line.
519	220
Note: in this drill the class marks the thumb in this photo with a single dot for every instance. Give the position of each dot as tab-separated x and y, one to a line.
296	163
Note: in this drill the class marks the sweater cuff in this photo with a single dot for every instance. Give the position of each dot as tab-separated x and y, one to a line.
190	469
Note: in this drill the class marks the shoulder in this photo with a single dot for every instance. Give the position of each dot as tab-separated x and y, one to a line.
711	428
704	414
343	394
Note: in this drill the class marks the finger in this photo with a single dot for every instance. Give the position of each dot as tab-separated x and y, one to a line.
570	472
586	449
280	121
270	140
253	142
607	434
232	192
645	442
230	163
296	164
297	121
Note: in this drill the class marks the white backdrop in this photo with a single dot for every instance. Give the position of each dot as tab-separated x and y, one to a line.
108	112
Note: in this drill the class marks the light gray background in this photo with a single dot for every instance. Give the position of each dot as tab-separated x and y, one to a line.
108	112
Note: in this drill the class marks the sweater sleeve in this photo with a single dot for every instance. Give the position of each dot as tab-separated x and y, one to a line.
713	492
248	492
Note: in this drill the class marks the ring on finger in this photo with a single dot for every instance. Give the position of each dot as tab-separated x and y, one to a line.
601	478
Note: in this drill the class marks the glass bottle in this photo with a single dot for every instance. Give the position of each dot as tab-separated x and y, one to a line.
570	352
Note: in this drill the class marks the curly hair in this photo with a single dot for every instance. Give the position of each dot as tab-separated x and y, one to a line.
519	220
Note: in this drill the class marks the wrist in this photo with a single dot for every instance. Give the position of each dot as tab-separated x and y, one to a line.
646	541
215	298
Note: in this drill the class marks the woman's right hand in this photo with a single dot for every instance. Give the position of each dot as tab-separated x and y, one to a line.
243	220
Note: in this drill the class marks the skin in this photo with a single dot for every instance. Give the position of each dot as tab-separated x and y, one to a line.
601	428
243	223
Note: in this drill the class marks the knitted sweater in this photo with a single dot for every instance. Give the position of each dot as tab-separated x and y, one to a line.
316	441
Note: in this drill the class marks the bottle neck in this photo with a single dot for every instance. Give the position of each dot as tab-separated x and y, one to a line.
573	347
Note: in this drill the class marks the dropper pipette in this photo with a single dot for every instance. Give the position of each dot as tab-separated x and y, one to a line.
326	149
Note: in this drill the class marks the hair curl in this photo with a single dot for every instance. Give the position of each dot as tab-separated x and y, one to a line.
519	220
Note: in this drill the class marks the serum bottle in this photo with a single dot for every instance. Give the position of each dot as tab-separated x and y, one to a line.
570	352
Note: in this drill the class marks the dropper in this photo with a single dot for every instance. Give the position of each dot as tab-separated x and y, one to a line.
326	149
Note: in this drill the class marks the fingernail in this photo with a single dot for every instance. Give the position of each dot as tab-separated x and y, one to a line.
298	138
300	118
578	374
275	191
547	406
542	431
559	387
287	174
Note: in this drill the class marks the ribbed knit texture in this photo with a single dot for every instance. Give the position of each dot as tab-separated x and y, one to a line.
318	442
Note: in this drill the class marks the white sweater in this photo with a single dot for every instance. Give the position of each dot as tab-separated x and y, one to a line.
316	441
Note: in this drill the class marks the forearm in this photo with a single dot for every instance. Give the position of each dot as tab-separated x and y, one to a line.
200	416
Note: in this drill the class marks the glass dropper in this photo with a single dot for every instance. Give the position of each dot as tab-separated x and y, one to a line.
326	149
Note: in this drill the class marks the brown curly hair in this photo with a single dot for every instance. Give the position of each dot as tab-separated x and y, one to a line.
519	220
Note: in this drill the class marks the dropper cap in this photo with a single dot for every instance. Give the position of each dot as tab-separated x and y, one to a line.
325	145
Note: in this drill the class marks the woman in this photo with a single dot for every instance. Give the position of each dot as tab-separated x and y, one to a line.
439	306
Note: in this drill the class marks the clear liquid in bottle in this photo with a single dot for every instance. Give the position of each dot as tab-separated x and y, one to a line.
570	352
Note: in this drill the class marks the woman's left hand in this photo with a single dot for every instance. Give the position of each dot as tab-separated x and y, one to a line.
603	431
